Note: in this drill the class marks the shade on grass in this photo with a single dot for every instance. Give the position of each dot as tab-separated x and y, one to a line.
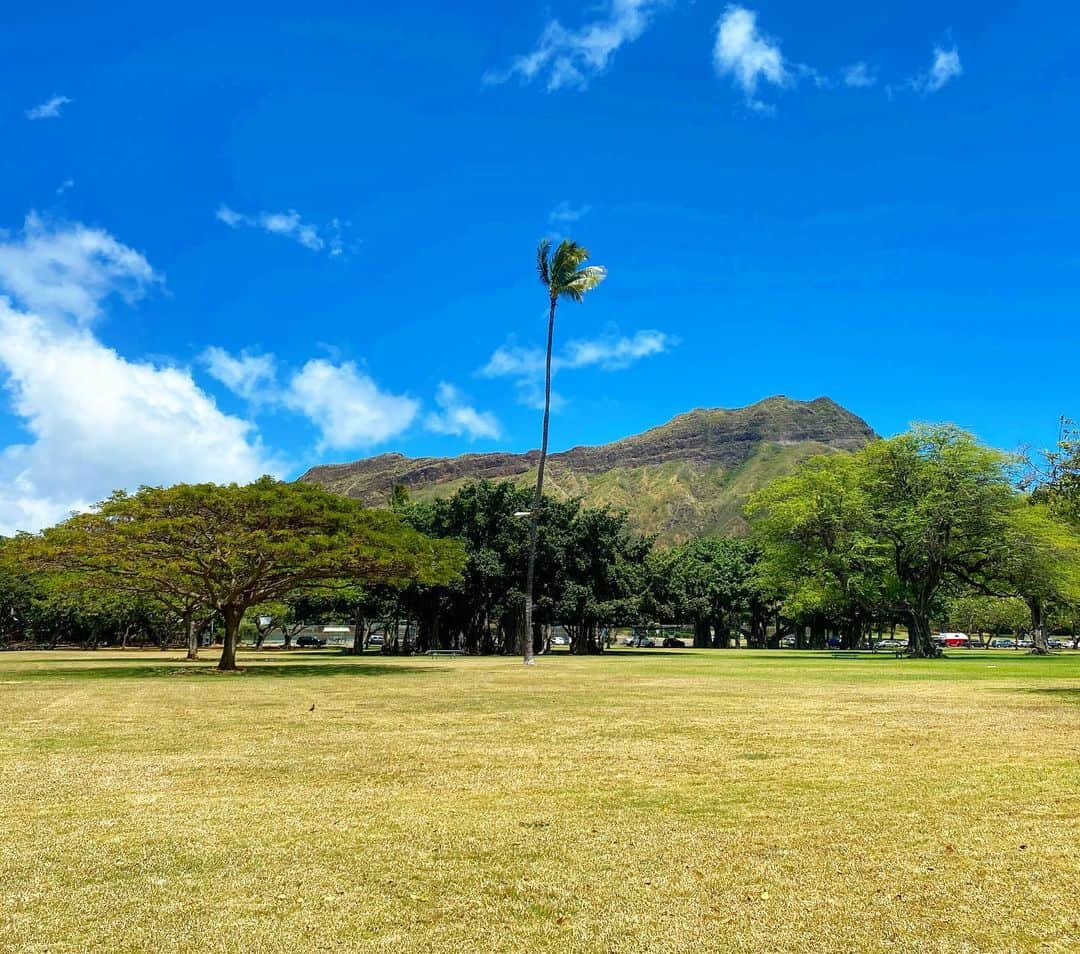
635	802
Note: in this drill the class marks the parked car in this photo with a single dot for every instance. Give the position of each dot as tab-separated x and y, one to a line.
672	643
1055	644
1002	643
376	639
310	642
891	644
641	642
560	640
788	642
1024	644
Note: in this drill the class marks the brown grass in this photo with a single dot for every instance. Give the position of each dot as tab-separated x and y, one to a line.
712	801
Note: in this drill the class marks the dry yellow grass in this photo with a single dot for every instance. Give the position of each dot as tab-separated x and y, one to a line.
723	801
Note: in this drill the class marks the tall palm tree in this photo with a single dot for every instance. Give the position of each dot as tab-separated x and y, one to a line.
565	275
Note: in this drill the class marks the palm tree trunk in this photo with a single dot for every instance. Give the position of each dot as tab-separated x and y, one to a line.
534	517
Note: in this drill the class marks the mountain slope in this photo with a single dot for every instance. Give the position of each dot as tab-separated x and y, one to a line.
689	476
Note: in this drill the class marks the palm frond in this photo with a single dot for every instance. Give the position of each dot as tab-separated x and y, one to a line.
543	268
565	262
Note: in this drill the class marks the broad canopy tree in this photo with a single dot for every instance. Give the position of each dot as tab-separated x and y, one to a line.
229	548
903	523
710	583
588	570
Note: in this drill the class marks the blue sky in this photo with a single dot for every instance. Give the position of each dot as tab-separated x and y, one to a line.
267	238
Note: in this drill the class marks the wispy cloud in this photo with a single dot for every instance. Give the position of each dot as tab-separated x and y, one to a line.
753	60
615	353
945	67
456	416
566	213
69	270
570	58
65	186
50	109
290	225
748	56
248	375
859	75
611	352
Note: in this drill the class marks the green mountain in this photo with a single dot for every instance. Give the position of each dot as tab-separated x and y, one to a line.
687	477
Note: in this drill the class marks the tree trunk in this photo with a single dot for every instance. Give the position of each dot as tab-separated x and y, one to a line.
583	641
538	496
702	636
232	615
359	640
920	643
192	637
1039	644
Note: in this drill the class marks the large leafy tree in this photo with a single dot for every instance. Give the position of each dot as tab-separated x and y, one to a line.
597	573
19	595
564	274
943	509
589	570
229	548
996	615
1055	478
904	523
711	583
1041	567
488	596
814	532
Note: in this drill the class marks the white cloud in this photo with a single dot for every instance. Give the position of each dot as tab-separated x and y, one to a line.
566	213
615	353
859	75
100	422
64	186
50	109
347	406
946	66
290	225
748	56
570	58
96	421
247	375
608	353
460	418
513	361
67	272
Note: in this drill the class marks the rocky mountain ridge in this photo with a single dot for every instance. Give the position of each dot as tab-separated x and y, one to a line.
684	477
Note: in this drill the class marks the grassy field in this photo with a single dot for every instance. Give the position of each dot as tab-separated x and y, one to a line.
691	801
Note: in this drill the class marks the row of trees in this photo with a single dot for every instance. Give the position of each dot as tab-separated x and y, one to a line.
190	552
928	526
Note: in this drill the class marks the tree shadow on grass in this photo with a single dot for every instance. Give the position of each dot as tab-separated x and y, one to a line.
1062	693
635	653
184	669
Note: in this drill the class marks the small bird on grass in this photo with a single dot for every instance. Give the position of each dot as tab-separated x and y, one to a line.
312	709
